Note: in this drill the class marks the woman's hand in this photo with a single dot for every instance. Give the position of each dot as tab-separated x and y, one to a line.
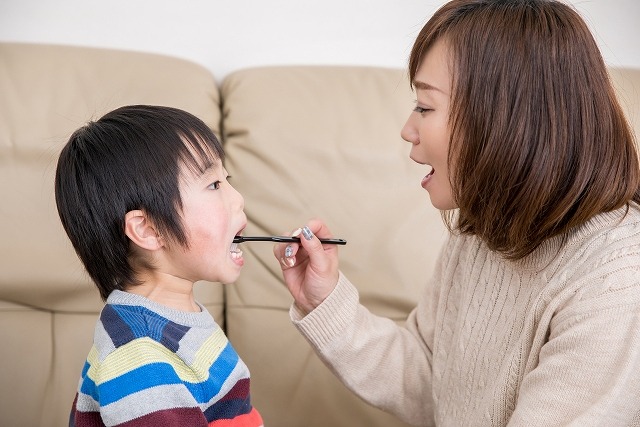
310	269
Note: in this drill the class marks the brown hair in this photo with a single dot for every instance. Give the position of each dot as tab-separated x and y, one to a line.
539	143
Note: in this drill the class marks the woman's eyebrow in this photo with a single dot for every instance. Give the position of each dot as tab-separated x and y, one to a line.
426	86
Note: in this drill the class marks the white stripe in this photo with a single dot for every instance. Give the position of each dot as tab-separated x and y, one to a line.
147	401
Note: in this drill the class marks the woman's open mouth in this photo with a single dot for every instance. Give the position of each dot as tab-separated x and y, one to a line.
427	178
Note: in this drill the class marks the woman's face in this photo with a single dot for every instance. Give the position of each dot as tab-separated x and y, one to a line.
427	128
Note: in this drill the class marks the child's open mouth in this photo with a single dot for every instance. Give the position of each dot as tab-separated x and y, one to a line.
235	251
236	254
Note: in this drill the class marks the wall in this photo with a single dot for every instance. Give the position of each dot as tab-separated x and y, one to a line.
225	35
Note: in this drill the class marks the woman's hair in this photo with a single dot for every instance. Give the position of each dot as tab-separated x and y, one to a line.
538	143
129	159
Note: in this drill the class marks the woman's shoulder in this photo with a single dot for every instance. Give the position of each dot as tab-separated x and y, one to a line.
604	259
610	235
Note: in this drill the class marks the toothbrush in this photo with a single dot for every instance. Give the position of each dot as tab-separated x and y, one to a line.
283	239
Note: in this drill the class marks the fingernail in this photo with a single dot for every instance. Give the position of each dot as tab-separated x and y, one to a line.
296	233
288	251
288	262
307	233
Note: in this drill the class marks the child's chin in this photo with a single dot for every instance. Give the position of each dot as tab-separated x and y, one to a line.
231	277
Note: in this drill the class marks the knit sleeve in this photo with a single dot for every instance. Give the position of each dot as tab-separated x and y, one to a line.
588	372
385	364
139	385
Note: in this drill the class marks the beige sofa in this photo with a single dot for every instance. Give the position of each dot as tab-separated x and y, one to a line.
301	142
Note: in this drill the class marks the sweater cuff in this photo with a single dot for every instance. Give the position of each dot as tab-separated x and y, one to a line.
331	317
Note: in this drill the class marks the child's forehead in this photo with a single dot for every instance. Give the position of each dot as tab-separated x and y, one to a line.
205	167
199	154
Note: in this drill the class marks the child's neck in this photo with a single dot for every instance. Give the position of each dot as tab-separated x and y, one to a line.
168	291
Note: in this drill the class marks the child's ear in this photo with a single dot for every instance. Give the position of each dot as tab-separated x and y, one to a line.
141	230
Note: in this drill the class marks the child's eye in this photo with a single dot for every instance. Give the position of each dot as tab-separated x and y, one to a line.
214	185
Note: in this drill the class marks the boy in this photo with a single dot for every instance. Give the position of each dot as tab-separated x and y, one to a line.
145	200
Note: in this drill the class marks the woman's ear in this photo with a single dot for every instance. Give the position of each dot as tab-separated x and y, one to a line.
141	230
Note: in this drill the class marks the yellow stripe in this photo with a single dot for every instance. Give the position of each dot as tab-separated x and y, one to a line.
208	352
143	351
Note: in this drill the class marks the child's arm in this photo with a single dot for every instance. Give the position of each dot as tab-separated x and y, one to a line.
138	384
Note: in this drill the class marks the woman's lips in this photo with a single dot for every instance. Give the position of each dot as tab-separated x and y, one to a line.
426	179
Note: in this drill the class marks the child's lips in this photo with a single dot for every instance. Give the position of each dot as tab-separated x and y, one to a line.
236	254
234	250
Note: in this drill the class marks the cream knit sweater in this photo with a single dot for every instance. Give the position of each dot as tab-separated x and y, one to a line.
552	340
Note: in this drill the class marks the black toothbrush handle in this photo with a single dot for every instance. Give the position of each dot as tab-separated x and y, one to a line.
284	239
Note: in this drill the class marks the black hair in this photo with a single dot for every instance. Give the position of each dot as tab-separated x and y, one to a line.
129	159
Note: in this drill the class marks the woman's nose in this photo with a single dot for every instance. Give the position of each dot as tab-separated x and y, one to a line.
409	132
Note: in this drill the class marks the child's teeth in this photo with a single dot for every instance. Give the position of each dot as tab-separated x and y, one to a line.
235	252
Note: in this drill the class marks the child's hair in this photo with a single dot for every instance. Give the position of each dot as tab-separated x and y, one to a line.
129	159
539	143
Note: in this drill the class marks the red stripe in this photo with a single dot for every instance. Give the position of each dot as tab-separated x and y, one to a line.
239	391
252	419
84	419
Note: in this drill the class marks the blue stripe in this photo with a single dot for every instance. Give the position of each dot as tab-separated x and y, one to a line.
155	374
118	330
142	321
89	388
124	323
172	334
228	409
85	368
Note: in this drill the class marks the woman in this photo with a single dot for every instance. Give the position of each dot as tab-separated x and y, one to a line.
533	314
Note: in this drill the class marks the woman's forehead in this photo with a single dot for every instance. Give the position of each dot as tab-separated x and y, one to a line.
434	72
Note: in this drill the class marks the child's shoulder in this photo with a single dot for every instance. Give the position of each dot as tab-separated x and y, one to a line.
128	318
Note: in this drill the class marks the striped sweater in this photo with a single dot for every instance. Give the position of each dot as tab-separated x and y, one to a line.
154	366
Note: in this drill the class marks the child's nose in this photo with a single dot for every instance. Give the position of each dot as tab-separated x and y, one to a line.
239	200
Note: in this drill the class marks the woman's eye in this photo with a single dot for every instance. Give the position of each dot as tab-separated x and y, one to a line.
214	186
421	110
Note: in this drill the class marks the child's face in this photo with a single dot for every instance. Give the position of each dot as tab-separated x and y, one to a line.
212	215
427	127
